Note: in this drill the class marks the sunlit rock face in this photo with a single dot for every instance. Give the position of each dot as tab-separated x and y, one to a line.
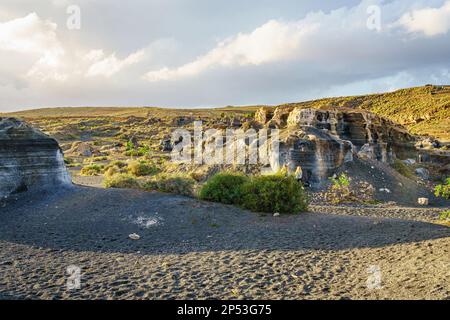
29	159
321	140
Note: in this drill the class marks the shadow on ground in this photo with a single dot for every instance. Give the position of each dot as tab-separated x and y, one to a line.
100	220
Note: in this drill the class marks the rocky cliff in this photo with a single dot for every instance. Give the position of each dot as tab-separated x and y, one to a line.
29	159
320	140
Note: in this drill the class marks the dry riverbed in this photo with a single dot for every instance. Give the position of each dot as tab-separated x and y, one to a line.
198	250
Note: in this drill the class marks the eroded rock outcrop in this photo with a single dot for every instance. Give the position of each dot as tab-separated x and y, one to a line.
29	159
321	140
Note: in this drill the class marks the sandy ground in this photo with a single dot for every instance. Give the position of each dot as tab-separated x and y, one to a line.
199	250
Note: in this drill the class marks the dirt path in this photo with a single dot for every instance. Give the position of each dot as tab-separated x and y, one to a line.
191	249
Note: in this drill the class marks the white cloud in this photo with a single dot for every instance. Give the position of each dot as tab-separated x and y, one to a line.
37	40
273	41
108	66
302	54
34	37
429	21
30	34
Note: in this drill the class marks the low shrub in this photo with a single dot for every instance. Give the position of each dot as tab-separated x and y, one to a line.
100	158
121	180
142	168
343	190
118	163
111	171
115	167
133	151
274	193
92	170
223	187
403	169
443	190
178	184
445	216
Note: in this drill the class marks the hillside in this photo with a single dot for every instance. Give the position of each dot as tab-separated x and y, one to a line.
124	112
423	110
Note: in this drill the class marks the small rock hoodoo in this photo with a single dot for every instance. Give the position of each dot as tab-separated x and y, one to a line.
321	140
29	159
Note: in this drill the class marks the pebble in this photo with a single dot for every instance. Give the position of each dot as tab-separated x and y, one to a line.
134	236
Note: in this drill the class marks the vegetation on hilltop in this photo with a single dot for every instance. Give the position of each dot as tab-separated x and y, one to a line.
422	110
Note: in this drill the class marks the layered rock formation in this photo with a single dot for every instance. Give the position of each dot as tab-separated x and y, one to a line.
29	159
321	140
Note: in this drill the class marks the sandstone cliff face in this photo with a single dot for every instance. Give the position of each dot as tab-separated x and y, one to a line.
29	159
321	140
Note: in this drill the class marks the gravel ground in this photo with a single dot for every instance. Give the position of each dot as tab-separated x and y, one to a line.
199	250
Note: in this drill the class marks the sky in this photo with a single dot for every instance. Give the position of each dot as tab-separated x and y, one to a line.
206	53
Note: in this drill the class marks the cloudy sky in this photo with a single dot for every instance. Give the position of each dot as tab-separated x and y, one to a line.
204	53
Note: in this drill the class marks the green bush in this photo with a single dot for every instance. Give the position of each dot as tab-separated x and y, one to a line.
341	181
177	184
142	168
445	215
121	180
224	188
344	190
92	170
133	151
443	190
274	193
129	146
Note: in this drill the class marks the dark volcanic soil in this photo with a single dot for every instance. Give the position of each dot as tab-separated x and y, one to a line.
192	249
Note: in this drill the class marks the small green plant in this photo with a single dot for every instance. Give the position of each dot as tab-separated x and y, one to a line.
274	193
143	150
341	181
132	151
129	146
121	180
223	187
443	190
343	190
445	215
92	170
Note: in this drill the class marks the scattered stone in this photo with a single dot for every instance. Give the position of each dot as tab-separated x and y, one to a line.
276	214
423	173
134	236
423	201
409	161
385	190
166	144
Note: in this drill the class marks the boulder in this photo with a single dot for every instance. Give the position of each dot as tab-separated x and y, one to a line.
166	144
409	162
423	173
29	159
423	201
